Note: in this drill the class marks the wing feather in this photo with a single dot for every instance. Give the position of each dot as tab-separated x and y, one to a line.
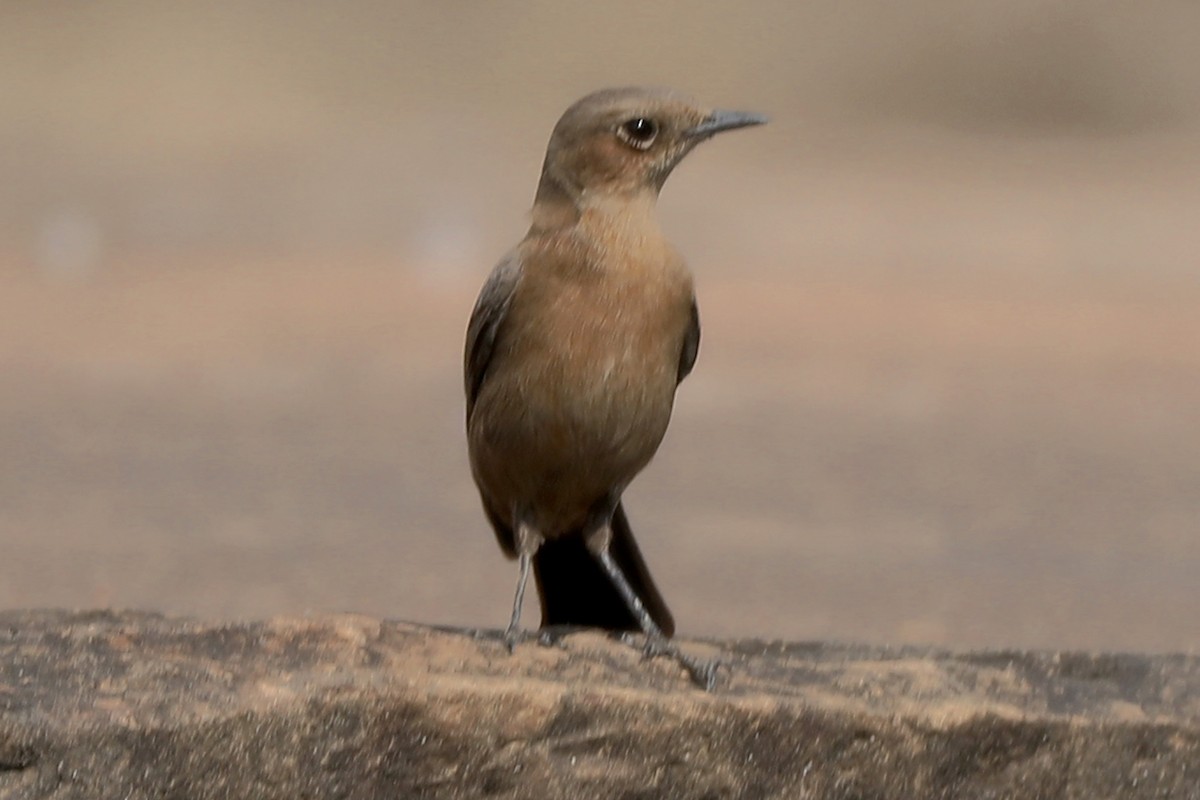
487	322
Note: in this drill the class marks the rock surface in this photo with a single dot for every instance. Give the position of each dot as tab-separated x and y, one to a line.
101	704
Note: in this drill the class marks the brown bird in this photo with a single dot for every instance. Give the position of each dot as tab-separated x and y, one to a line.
574	351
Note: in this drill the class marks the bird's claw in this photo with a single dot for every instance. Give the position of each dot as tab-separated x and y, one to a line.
703	673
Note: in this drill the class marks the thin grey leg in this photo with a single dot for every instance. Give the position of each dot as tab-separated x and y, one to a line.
632	601
702	673
528	542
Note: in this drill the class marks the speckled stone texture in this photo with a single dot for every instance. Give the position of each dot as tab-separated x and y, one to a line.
130	705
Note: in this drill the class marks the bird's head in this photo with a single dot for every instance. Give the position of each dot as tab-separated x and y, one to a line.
627	141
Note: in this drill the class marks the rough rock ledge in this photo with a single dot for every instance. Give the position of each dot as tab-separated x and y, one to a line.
116	705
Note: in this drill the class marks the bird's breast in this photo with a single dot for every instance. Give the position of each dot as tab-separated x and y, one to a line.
583	382
601	359
579	390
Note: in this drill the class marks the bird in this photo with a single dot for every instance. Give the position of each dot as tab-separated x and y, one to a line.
574	350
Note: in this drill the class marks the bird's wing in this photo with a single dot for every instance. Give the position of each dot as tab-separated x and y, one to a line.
483	331
691	345
486	321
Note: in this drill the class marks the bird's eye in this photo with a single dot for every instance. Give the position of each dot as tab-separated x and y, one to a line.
638	132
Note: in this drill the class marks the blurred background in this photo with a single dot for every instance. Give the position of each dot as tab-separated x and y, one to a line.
949	389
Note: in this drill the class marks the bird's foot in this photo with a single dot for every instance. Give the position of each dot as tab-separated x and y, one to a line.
703	673
512	636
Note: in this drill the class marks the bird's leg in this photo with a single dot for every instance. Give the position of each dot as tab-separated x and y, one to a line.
702	673
528	542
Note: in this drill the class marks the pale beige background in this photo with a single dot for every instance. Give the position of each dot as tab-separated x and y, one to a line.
949	389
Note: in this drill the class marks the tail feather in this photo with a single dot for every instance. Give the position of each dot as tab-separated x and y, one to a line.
575	591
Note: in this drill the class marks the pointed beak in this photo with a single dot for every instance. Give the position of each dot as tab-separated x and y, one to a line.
719	121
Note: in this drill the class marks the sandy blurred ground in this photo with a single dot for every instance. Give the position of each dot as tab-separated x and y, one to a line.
949	389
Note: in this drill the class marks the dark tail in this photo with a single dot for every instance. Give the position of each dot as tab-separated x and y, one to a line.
575	591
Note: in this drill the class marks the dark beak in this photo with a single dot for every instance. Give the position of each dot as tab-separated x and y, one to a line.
719	121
